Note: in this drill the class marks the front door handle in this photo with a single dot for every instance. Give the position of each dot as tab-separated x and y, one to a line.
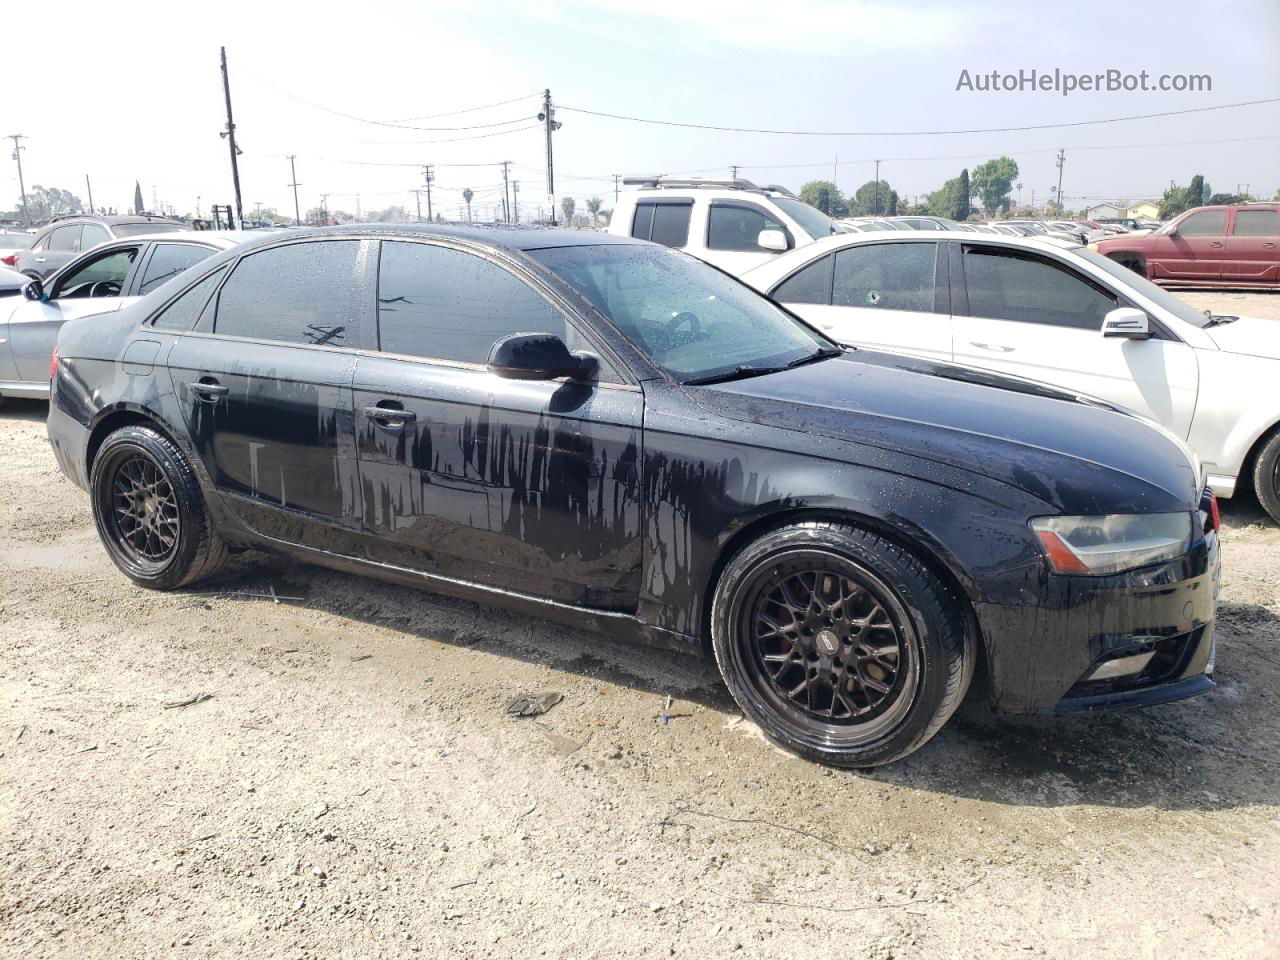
39	259
390	416
993	347
208	389
1269	244
1215	243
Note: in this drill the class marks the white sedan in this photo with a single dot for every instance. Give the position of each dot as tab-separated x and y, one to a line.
1059	314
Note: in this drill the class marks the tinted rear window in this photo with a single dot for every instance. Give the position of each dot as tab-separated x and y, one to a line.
135	229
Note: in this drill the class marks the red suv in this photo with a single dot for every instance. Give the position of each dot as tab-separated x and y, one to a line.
1235	246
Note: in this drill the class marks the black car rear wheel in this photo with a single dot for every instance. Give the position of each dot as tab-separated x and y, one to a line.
841	645
150	511
1266	476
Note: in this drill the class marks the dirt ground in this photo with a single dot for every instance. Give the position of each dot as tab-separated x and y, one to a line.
353	788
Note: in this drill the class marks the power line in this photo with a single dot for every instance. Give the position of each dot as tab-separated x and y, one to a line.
454	113
913	133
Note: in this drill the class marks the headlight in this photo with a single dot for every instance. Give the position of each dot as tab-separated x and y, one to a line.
1096	546
1093	246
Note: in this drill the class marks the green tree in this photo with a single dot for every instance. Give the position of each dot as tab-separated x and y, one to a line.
951	201
1195	192
992	182
1227	199
826	196
872	199
1174	201
46	202
964	191
467	194
567	206
593	208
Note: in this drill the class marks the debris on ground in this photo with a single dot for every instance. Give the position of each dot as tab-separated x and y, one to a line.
533	705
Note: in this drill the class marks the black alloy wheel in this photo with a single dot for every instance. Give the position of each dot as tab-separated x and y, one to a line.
144	519
841	645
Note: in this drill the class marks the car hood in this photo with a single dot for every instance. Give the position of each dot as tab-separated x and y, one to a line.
1078	456
1252	336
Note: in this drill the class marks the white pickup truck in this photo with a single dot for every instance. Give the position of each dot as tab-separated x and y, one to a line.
731	224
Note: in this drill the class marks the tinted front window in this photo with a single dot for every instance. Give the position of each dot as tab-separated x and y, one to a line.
1207	223
811	220
182	313
136	229
65	239
810	285
303	293
170	259
1006	286
890	276
690	319
736	227
103	277
1256	223
445	304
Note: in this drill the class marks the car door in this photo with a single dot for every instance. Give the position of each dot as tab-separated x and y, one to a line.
888	296
61	249
525	484
1034	316
1252	253
1192	250
165	260
90	285
264	384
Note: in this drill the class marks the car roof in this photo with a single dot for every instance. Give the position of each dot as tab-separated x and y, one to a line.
219	239
504	236
811	251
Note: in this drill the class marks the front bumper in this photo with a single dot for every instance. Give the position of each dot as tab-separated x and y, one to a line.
1070	651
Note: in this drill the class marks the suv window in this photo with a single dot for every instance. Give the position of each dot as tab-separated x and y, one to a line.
889	276
1008	286
303	293
65	239
168	260
136	229
93	234
1207	223
663	221
103	276
1256	223
737	226
810	285
444	304
182	313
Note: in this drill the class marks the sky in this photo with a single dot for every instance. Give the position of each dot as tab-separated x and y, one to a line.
124	94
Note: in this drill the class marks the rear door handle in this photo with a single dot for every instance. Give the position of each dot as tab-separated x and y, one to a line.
1269	244
390	416
993	347
1215	243
208	389
39	259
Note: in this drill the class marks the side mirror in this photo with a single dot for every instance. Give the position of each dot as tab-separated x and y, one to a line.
536	356
34	289
1127	324
774	240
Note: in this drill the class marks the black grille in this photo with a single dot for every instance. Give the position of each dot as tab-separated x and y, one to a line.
1171	657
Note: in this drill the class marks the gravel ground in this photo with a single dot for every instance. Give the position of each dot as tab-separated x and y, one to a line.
352	787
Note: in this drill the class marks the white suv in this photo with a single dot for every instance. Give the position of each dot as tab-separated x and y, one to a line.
731	224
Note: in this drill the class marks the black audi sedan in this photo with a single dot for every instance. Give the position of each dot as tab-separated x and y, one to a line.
613	434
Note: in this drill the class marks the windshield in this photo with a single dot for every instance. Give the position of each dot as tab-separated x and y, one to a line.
1140	284
811	220
137	229
690	319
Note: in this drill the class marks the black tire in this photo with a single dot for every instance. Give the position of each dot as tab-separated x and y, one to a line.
150	511
767	637
1266	476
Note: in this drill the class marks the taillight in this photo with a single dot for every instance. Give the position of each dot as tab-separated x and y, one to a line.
10	261
53	364
1215	517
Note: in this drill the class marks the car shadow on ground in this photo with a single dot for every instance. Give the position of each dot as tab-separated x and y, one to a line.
19	408
1219	751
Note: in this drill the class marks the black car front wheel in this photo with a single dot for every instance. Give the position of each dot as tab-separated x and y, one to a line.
841	645
150	511
1266	476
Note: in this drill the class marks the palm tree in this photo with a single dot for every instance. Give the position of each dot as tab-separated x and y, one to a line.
593	208
567	206
467	195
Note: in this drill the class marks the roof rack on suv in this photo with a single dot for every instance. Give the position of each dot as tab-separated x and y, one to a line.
686	183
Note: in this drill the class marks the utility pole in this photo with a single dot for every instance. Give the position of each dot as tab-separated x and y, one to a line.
616	179
89	187
230	134
548	115
293	174
733	175
428	177
877	211
835	170
324	208
417	198
1062	159
506	204
22	189
515	201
